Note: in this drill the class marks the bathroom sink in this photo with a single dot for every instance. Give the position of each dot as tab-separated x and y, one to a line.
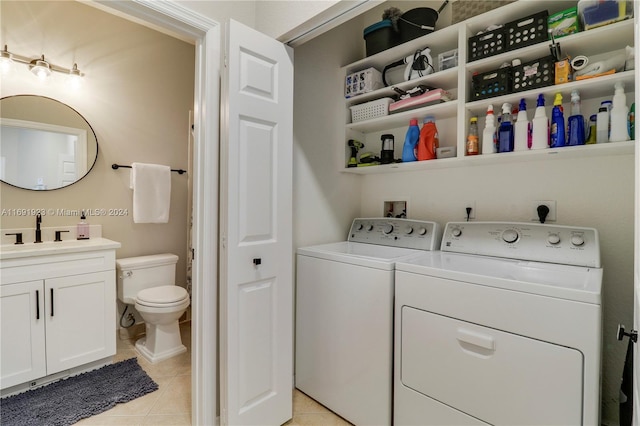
13	251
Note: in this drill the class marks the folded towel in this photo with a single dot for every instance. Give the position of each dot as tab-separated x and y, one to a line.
151	184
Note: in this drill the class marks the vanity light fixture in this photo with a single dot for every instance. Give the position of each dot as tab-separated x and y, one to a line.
40	67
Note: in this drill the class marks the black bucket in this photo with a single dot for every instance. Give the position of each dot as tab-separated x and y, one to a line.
417	22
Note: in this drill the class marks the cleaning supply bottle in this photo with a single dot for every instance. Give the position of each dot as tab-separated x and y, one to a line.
592	130
619	115
522	129
82	229
540	126
576	121
472	137
428	139
410	147
505	131
489	133
632	121
557	123
602	125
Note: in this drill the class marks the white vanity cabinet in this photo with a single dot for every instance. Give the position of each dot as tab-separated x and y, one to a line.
57	313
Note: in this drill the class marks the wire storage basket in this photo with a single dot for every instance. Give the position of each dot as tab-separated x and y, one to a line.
370	110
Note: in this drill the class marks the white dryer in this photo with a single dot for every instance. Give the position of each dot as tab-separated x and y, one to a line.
344	316
501	327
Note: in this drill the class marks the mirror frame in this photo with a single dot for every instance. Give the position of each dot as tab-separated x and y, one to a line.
88	125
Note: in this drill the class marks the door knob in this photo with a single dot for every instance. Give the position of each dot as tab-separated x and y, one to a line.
257	261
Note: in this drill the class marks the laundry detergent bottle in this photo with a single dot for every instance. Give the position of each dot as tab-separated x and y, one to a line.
557	123
410	147
428	139
505	132
522	129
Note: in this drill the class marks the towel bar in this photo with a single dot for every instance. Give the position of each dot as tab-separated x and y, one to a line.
117	166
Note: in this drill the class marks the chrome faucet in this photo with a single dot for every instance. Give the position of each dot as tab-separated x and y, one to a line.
38	231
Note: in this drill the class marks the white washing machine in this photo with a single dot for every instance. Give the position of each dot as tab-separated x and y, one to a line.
501	327
344	316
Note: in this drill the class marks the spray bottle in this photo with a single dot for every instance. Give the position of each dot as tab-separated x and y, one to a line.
632	121
522	132
489	133
540	126
576	121
619	115
592	130
410	147
557	123
505	132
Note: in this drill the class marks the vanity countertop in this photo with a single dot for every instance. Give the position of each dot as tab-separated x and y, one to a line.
15	251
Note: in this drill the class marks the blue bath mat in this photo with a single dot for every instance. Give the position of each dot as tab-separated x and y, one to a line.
68	401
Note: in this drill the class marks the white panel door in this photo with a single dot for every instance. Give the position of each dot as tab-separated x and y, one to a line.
256	268
21	333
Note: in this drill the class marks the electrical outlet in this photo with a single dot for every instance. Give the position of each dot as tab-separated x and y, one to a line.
551	217
472	205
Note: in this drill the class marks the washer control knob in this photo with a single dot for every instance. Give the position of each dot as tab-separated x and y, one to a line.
359	227
369	227
510	236
408	230
553	239
577	240
422	231
456	232
387	229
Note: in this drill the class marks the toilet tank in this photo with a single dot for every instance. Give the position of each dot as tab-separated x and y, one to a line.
138	273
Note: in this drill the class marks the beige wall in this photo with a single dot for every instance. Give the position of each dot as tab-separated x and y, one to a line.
137	95
596	192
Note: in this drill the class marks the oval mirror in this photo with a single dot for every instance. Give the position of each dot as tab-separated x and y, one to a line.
44	144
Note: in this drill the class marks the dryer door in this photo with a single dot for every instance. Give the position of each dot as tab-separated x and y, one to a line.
497	377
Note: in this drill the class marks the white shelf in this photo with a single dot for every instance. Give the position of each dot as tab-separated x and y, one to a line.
440	111
567	152
593	43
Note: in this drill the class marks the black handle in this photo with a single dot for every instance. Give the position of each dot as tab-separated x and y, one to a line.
633	334
37	304
58	238
257	261
18	237
51	302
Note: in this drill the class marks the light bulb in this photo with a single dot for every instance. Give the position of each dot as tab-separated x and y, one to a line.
74	79
40	68
6	62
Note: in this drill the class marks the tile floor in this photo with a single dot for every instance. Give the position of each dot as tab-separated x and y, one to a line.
171	403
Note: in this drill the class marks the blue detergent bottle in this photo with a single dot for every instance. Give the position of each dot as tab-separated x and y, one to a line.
505	131
410	147
558	138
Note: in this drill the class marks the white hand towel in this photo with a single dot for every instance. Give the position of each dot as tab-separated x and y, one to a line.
151	184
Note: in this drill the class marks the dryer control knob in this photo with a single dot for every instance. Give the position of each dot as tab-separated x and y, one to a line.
553	239
456	232
510	236
369	227
359	227
408	230
422	231
577	240
387	229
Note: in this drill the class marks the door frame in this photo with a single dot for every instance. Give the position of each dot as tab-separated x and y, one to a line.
175	19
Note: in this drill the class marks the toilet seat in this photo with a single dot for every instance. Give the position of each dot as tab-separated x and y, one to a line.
162	297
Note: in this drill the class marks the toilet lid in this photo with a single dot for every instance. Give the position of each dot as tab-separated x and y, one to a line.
166	294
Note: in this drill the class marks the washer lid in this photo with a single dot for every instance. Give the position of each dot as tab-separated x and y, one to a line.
163	294
368	255
549	279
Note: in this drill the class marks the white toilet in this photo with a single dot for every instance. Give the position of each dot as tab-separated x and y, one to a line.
149	283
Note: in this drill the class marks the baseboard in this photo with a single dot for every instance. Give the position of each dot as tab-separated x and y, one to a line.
134	332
